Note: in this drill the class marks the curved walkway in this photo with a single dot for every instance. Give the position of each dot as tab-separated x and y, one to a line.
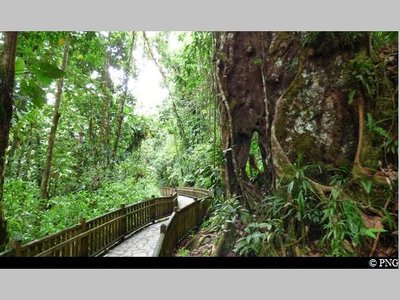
143	242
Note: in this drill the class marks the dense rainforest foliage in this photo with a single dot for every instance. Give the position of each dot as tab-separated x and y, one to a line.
77	148
295	133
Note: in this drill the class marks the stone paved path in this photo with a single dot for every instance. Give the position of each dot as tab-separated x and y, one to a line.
144	242
139	244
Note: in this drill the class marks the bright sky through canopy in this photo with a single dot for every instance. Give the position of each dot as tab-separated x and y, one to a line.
146	88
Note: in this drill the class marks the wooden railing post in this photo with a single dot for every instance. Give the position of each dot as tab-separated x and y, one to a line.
123	221
152	209
183	220
17	244
163	227
161	247
198	214
84	245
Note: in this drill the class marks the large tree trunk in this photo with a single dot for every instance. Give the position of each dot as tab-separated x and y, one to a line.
52	136
7	67
244	109
270	84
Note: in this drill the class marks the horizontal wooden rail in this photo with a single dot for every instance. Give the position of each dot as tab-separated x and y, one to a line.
91	238
182	221
94	236
191	192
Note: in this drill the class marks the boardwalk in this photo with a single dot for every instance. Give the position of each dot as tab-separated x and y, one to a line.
143	242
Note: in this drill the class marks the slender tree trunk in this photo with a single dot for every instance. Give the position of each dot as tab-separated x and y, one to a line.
360	106
93	140
28	156
56	115
7	68
108	106
174	107
37	163
120	115
105	114
104	121
90	129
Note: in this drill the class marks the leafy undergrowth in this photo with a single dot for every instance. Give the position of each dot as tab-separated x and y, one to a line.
197	244
357	218
28	219
206	241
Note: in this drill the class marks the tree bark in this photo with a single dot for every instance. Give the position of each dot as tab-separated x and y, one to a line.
7	70
242	107
52	136
105	115
280	88
37	164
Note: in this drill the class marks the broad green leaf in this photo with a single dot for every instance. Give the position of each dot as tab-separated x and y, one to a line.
256	239
36	93
43	79
335	193
19	66
371	231
380	131
290	186
48	70
367	185
38	101
265	225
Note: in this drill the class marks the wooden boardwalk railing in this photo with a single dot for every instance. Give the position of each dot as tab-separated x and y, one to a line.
191	192
90	238
93	237
182	221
